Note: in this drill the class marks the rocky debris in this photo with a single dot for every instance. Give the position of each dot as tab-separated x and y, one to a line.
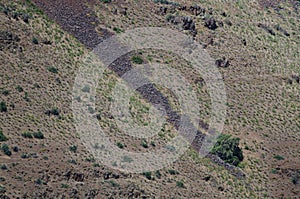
188	24
266	28
76	18
91	194
210	23
235	171
124	11
78	177
283	31
197	10
163	10
9	40
184	22
222	63
11	12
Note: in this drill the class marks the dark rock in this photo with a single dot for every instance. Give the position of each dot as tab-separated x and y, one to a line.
188	24
280	29
210	23
223	63
163	10
91	194
78	177
244	42
224	14
207	178
221	188
266	28
123	11
25	18
197	10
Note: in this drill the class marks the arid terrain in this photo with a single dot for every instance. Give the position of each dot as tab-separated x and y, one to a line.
43	44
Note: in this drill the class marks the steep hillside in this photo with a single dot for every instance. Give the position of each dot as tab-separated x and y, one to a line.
43	44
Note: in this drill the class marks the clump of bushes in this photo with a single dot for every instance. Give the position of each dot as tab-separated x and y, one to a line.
278	157
105	1
137	60
53	69
2	136
37	135
148	175
227	148
53	111
180	184
3	107
6	150
73	148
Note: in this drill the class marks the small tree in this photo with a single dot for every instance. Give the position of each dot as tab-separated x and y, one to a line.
3	107
227	148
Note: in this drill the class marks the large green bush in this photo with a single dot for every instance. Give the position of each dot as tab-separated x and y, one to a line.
227	148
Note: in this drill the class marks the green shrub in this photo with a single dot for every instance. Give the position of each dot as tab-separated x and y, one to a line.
3	107
38	135
35	40
19	88
6	150
127	159
73	148
180	184
172	172
105	1
120	145
137	60
295	179
158	174
144	144
2	137
148	175
118	30
5	92
278	157
52	70
27	135
227	148
64	186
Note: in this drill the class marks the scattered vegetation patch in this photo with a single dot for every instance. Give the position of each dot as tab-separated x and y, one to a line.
35	40
118	30
6	150
53	111
105	1
227	148
120	145
2	136
37	135
73	148
148	175
278	157
3	107
137	59
19	88
180	184
53	69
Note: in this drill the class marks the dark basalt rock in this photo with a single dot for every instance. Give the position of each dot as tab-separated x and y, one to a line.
266	28
223	63
210	23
